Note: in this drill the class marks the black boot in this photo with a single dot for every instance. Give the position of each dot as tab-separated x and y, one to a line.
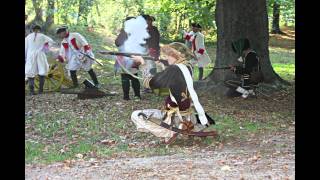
125	86
31	86
41	83
136	86
94	77
74	78
200	73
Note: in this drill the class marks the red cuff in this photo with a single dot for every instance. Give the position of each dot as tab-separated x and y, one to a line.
73	42
86	48
65	45
136	65
46	46
188	37
201	51
60	58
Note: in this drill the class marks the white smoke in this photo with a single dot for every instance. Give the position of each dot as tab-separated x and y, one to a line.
136	29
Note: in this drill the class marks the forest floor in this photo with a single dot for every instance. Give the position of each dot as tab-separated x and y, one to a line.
68	138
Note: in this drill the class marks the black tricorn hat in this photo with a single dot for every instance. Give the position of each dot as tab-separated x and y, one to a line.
128	18
196	25
61	29
36	26
153	18
148	17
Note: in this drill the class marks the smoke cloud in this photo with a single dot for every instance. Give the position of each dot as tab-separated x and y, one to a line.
136	28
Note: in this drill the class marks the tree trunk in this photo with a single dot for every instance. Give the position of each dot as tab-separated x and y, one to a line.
178	24
240	19
276	18
84	9
50	15
37	8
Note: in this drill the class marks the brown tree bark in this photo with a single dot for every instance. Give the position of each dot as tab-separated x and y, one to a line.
240	19
276	19
37	8
50	15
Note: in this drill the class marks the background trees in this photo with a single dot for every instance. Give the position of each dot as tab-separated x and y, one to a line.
222	21
172	15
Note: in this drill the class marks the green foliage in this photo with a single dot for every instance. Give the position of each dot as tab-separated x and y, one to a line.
172	16
287	11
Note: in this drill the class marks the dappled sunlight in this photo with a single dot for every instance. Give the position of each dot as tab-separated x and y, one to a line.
286	41
72	138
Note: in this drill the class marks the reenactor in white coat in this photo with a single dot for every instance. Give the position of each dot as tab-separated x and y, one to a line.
198	48
36	46
73	49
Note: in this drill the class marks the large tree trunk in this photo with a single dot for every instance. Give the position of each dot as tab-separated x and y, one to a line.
276	19
37	8
50	15
240	19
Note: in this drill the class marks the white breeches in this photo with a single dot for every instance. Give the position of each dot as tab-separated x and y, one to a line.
203	60
147	126
74	63
36	64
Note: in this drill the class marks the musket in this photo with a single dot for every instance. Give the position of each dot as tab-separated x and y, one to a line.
89	92
222	68
86	55
144	56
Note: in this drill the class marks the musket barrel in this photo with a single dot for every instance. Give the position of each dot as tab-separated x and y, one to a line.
221	68
121	53
144	56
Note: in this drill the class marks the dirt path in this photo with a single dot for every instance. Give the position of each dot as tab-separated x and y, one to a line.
268	157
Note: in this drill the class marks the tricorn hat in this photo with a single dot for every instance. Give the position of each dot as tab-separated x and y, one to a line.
148	17
196	25
61	29
36	26
240	45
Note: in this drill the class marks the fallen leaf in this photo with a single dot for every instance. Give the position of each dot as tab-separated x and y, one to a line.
285	167
226	168
80	156
221	162
45	149
108	142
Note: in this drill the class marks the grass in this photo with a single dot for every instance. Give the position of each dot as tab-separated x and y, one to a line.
65	137
231	128
61	135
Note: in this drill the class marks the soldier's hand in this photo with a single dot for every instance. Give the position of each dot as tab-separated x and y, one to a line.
60	59
138	59
232	67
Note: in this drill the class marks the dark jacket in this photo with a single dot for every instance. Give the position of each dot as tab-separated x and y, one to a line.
121	38
153	42
249	65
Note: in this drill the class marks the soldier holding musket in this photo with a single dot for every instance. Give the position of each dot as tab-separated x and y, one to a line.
249	70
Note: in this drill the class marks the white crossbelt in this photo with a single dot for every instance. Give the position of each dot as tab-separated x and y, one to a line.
193	94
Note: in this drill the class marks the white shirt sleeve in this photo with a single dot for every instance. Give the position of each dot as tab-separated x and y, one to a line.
200	42
26	46
81	40
62	52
